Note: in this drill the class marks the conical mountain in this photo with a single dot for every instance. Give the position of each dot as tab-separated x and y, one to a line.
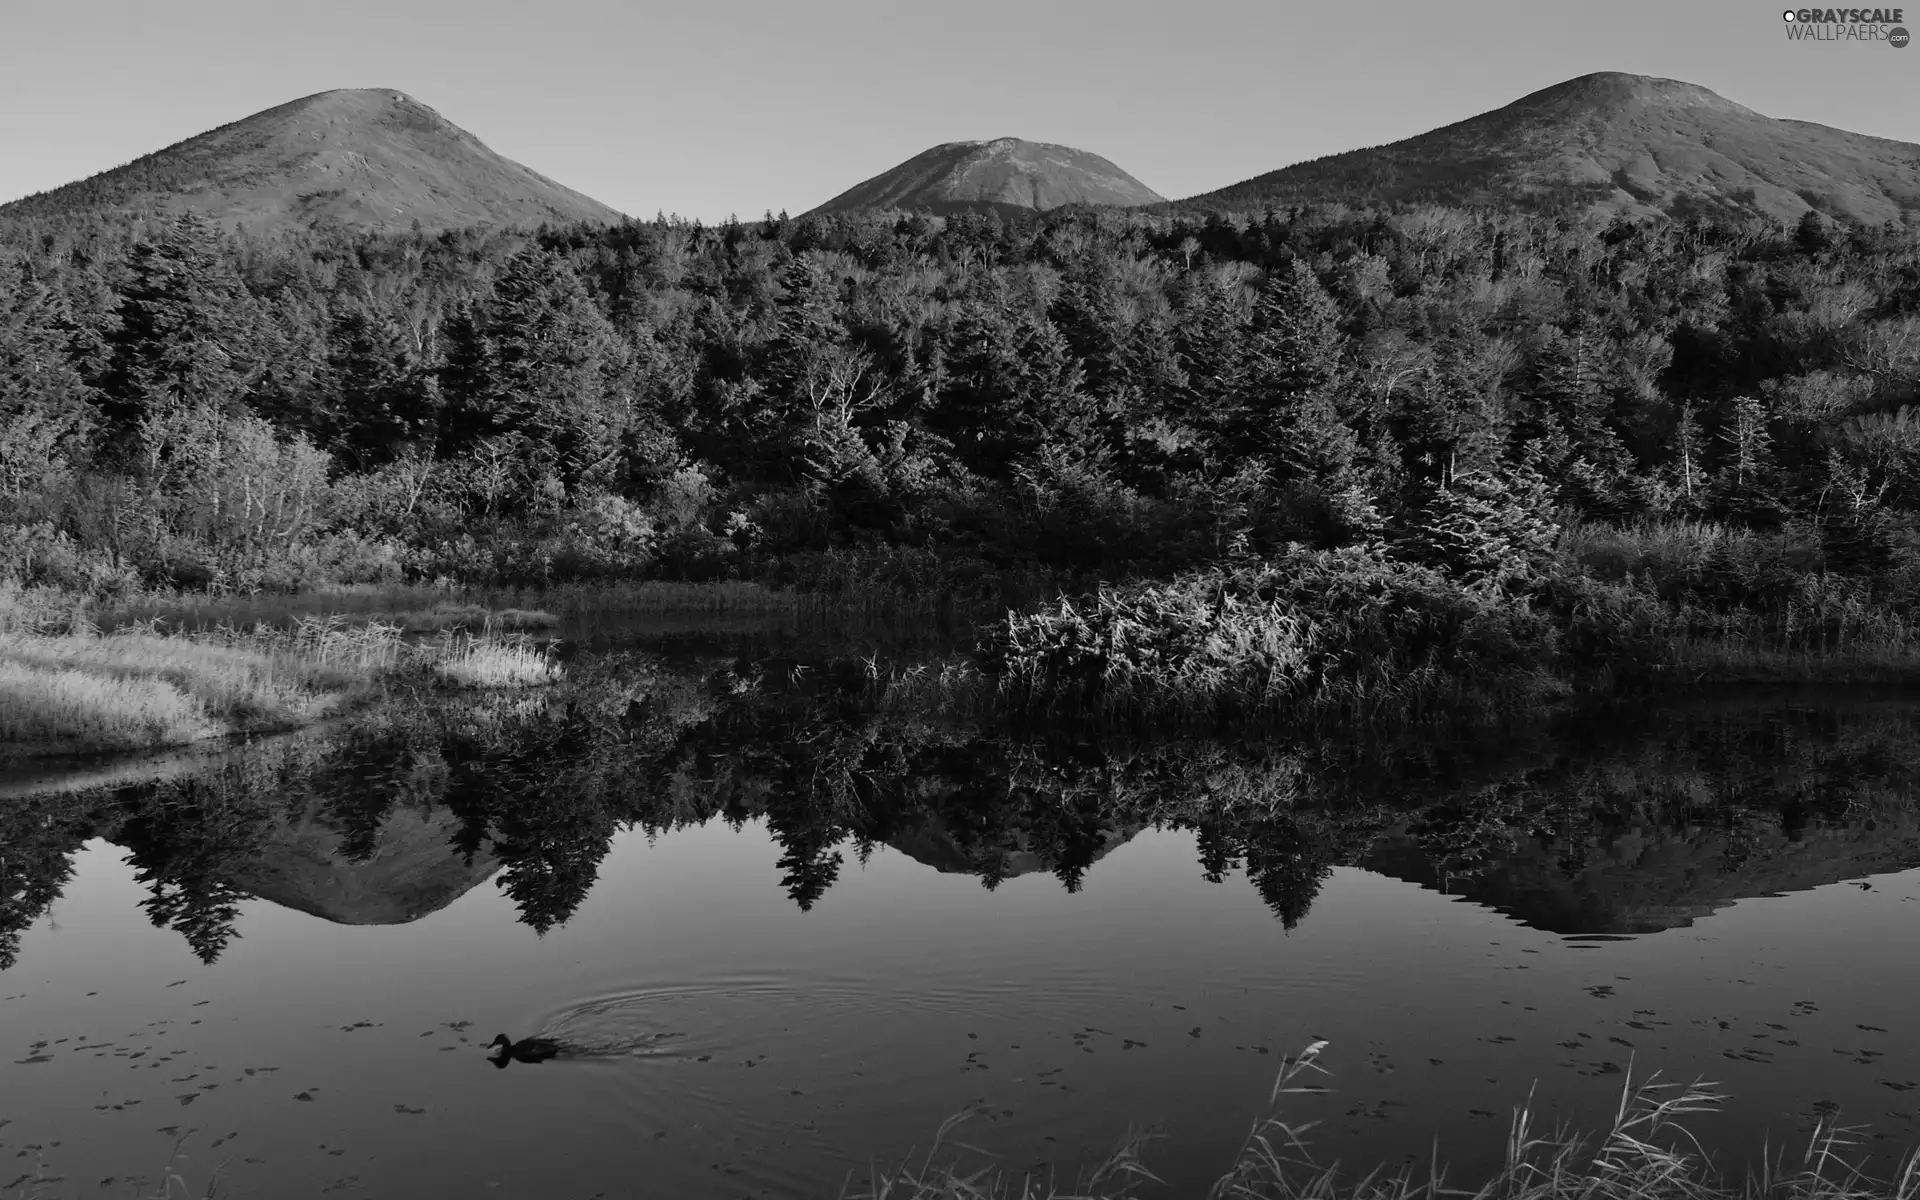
1007	175
368	158
1612	142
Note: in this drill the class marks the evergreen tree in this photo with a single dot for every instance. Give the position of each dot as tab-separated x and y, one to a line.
379	401
1485	530
541	365
1288	412
46	407
182	343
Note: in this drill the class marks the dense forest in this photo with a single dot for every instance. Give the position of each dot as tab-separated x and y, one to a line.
1629	417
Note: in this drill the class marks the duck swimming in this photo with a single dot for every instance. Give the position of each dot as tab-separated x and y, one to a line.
503	1050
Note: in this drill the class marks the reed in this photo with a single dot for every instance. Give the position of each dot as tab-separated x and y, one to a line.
57	711
492	662
1645	1153
137	688
144	687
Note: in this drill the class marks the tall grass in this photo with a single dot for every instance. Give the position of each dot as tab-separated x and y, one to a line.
1702	602
493	662
142	687
64	710
1645	1153
82	692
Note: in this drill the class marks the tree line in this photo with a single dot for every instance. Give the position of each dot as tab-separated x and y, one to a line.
1084	393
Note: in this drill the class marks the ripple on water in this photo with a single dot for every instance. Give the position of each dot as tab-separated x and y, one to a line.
712	1016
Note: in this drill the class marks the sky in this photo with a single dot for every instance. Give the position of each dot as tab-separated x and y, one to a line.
706	108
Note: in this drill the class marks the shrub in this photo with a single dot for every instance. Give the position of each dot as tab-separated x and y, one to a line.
1348	635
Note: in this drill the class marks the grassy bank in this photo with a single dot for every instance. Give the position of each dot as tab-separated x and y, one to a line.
1646	1153
82	692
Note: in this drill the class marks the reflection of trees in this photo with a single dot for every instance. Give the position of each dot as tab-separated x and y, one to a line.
542	784
185	841
537	790
37	844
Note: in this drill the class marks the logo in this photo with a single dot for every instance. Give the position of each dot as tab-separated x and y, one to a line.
1847	25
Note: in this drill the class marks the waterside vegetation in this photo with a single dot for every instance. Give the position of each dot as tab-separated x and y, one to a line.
80	692
1646	1153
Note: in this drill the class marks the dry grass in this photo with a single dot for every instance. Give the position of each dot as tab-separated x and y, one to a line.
140	689
30	610
489	662
70	711
1647	1153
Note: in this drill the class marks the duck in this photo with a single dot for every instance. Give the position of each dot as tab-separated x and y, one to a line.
503	1050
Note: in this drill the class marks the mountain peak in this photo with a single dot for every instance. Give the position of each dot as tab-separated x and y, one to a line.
1611	142
363	157
1004	174
1613	91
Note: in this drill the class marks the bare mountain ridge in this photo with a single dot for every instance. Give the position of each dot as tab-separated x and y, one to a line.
1612	142
1005	174
369	158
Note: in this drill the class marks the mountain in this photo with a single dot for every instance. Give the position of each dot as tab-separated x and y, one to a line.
411	868
369	158
1629	144
1647	878
1007	175
932	842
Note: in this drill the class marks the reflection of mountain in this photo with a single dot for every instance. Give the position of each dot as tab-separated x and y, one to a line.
1627	823
927	839
1646	879
413	869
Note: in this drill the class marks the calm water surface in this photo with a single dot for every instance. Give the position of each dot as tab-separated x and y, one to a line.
761	899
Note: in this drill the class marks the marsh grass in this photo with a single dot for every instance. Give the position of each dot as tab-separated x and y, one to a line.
66	710
145	687
1645	1153
1821	629
81	692
490	661
949	686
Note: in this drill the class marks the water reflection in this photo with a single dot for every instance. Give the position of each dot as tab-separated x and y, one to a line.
1626	824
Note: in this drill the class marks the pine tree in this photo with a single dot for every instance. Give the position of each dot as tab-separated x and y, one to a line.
378	400
1482	529
45	405
1210	340
541	364
182	343
1288	412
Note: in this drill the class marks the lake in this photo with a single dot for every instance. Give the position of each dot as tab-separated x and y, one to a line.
795	925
